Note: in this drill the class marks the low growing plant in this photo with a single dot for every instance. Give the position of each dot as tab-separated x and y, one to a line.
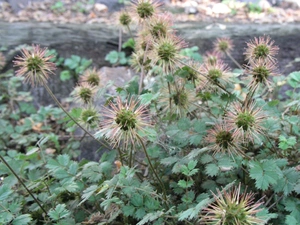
189	143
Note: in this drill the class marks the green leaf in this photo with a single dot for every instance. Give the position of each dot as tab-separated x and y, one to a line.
87	193
185	184
286	143
290	220
130	43
112	57
294	79
265	173
22	219
140	213
206	158
193	212
211	169
150	217
288	182
188	197
5	191
192	164
59	212
199	126
128	210
63	160
65	75
147	98
195	139
137	200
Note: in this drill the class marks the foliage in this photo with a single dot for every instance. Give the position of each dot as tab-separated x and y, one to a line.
181	140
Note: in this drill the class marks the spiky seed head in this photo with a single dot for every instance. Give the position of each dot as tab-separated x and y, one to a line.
91	76
125	19
160	25
260	70
35	65
261	48
84	93
144	9
89	117
165	53
178	100
126	119
231	207
123	122
221	139
216	74
245	121
223	45
212	57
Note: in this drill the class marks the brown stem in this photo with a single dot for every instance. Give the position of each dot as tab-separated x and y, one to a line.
19	179
152	168
71	117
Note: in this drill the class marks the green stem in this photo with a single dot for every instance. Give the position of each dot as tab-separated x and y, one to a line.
23	184
152	168
71	117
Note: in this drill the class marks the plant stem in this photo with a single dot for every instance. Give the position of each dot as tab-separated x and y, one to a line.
23	184
68	114
234	61
208	79
120	40
152	168
143	71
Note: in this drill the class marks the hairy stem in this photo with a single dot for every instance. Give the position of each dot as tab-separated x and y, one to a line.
71	117
234	61
23	184
220	86
152	168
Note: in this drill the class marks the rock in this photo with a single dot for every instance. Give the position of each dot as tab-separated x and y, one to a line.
221	8
264	4
100	7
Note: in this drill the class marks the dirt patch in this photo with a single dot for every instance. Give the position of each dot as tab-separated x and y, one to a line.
104	11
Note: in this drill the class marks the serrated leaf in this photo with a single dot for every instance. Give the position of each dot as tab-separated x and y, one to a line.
22	219
294	79
185	184
199	127
59	212
5	191
140	213
193	212
265	173
65	75
287	183
87	193
195	152
128	210
184	124
137	200
206	158
63	160
147	98
290	220
150	217
195	139
211	169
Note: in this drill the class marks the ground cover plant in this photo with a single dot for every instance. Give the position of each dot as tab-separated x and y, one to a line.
189	141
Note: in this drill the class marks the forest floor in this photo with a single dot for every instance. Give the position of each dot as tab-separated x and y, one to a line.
210	11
